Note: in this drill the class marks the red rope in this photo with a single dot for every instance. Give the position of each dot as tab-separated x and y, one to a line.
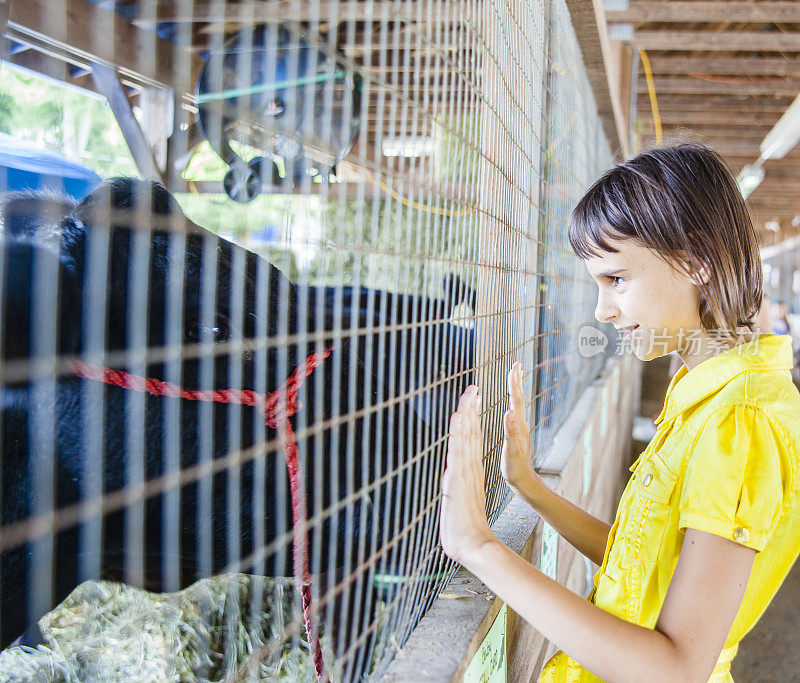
278	407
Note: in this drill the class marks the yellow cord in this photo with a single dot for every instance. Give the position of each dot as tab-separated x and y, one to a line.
414	204
651	89
563	134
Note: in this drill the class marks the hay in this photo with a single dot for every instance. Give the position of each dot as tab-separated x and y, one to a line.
107	631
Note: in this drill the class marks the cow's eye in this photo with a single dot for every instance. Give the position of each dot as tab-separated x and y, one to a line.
205	334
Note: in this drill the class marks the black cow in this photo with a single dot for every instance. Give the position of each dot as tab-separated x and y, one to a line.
126	251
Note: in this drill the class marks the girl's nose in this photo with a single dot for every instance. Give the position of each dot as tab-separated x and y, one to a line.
605	311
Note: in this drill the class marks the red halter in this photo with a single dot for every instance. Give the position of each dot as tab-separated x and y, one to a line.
278	407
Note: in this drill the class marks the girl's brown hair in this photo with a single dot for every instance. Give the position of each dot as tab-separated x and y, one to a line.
682	202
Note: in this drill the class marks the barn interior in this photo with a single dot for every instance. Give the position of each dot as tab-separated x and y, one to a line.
409	168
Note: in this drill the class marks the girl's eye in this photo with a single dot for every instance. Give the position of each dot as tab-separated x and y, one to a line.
616	281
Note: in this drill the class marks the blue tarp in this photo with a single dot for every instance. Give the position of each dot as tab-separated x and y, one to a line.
26	167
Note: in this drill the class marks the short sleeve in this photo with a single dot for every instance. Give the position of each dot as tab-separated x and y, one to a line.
733	486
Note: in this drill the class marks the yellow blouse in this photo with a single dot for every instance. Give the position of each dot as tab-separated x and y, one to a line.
724	460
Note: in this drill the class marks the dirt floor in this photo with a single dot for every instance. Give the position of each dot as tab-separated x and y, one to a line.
771	651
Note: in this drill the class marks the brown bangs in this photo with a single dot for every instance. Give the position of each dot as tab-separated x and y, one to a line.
595	221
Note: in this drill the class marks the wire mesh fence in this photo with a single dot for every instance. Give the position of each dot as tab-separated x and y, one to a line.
235	392
575	152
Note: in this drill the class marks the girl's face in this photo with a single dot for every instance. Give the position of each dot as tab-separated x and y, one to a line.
642	293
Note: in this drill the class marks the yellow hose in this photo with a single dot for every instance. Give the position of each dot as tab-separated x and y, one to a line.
651	90
414	204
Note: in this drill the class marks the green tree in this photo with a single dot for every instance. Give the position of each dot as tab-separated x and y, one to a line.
79	124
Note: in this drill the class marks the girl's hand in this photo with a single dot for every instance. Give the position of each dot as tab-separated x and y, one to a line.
515	461
463	525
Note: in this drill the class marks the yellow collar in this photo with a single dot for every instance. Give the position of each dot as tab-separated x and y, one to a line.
766	352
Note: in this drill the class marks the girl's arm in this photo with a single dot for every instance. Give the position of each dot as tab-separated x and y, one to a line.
583	531
703	598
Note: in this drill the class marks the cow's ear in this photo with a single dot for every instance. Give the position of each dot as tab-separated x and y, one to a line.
457	293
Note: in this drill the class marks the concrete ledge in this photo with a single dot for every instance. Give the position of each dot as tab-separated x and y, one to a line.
450	633
566	438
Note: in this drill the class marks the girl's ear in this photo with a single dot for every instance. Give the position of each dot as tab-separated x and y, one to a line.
700	277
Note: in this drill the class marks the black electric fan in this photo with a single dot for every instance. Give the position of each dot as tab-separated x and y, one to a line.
269	90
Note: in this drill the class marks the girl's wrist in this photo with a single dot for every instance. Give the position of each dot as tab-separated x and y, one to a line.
527	486
479	552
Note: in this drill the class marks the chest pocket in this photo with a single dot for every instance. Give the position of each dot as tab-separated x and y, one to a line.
653	488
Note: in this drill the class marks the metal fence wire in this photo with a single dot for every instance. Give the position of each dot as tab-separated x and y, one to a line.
231	387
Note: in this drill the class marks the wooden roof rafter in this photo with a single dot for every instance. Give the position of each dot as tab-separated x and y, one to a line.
724	72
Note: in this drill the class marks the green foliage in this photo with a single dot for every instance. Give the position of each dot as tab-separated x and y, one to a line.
457	140
63	119
374	243
205	164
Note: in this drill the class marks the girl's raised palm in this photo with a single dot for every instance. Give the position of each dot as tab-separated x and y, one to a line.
515	461
463	525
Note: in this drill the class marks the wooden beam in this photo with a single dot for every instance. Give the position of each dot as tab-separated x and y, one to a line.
749	138
589	22
739	129
766	211
774	168
626	86
674	12
687	84
734	153
772	172
721	120
750	107
108	84
726	66
746	152
777	199
772	185
717	102
84	31
773	199
728	41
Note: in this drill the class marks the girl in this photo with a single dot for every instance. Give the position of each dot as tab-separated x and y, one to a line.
709	523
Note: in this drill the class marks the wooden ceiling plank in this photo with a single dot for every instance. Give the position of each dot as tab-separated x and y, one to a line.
752	140
674	12
601	60
687	84
713	102
756	108
734	153
725	66
710	118
736	126
722	41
